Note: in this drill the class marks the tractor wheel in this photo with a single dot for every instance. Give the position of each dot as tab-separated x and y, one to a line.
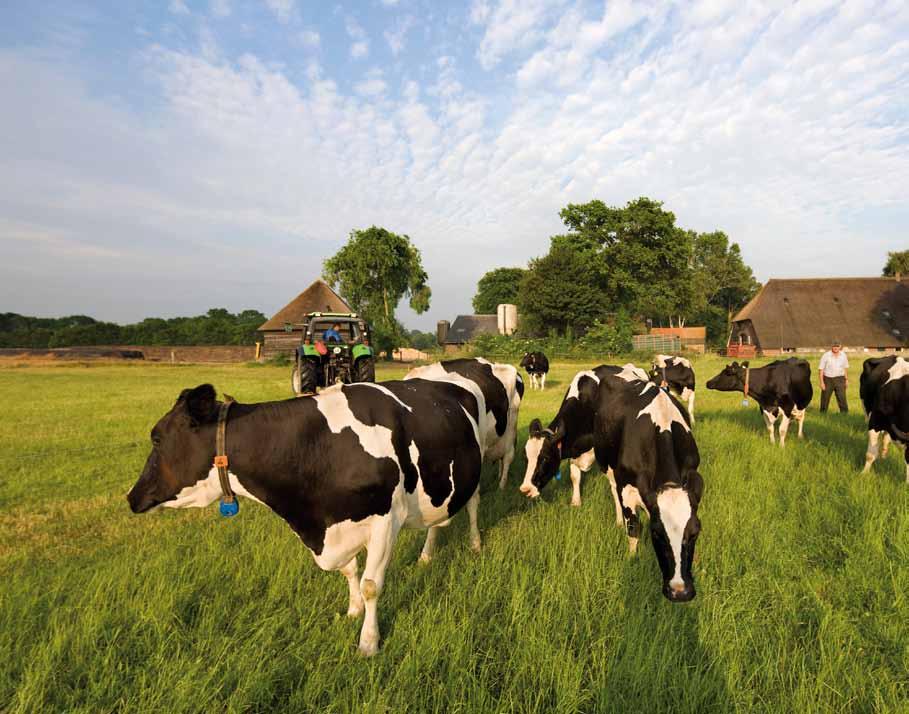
303	379
365	370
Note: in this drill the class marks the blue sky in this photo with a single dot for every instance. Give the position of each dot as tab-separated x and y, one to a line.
164	158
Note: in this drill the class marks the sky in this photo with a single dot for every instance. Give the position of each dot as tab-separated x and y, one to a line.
163	158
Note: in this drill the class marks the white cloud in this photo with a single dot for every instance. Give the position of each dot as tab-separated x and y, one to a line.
372	83
220	8
395	37
510	26
390	3
178	7
310	39
359	50
284	10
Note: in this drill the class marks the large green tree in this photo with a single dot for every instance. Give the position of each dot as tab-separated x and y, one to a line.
374	271
496	287
722	283
897	262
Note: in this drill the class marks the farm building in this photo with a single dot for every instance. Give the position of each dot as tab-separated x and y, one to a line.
283	333
807	315
452	336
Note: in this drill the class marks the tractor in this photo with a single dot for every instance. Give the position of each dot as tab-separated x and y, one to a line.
322	363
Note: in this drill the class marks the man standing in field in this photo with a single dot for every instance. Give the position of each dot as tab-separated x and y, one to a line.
834	378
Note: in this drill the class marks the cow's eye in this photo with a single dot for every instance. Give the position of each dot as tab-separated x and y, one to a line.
156	441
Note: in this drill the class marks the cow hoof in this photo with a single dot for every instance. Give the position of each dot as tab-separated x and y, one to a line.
425	559
353	612
576	502
368	649
476	545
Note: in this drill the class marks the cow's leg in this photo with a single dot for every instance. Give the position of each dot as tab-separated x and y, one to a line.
871	453
575	472
885	449
906	456
429	545
631	499
378	552
689	395
543	381
770	420
473	506
799	416
355	604
619	519
505	466
784	427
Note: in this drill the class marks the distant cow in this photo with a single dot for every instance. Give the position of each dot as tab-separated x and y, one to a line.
502	389
884	389
679	377
537	367
570	434
346	469
781	389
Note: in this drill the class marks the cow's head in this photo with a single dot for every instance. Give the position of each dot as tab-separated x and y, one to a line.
674	529
527	360
731	379
176	473
544	455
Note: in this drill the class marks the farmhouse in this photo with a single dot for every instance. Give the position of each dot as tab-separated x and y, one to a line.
282	333
452	336
807	315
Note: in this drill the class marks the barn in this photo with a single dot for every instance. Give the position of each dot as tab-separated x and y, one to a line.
282	334
807	315
455	336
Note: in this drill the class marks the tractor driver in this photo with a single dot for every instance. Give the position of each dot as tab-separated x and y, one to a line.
333	334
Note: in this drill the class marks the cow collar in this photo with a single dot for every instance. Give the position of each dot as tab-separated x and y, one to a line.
229	505
747	375
551	433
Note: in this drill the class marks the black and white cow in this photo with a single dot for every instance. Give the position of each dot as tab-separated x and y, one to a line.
644	436
570	434
884	389
781	389
346	469
502	389
537	367
678	375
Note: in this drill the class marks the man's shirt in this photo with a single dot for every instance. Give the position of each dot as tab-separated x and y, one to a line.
834	365
331	336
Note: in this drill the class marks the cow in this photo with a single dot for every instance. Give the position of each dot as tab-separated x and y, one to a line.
884	389
570	433
678	375
781	389
347	469
644	435
537	367
501	389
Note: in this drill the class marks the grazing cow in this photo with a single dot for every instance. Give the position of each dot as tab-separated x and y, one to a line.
678	375
501	389
346	469
643	435
570	434
781	389
884	389
537	367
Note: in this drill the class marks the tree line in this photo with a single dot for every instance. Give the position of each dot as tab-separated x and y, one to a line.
216	327
615	266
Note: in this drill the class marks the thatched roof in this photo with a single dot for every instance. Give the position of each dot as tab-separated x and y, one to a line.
860	312
318	297
466	327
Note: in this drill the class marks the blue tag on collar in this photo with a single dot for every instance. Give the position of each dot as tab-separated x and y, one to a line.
229	509
559	475
744	402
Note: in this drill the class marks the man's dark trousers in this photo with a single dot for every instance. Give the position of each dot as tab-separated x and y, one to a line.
834	385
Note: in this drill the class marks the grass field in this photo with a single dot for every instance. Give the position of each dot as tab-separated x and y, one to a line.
802	575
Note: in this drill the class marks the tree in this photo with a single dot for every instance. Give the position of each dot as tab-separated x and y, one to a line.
373	271
721	281
897	262
496	287
560	291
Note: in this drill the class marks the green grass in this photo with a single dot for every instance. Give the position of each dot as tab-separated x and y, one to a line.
802	577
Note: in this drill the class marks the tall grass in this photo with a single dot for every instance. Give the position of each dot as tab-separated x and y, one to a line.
801	574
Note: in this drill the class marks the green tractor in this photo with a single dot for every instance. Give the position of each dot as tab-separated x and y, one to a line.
336	349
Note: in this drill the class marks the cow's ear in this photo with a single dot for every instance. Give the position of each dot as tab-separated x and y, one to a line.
694	484
201	403
536	429
745	364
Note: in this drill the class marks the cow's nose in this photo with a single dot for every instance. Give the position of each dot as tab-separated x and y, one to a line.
680	592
